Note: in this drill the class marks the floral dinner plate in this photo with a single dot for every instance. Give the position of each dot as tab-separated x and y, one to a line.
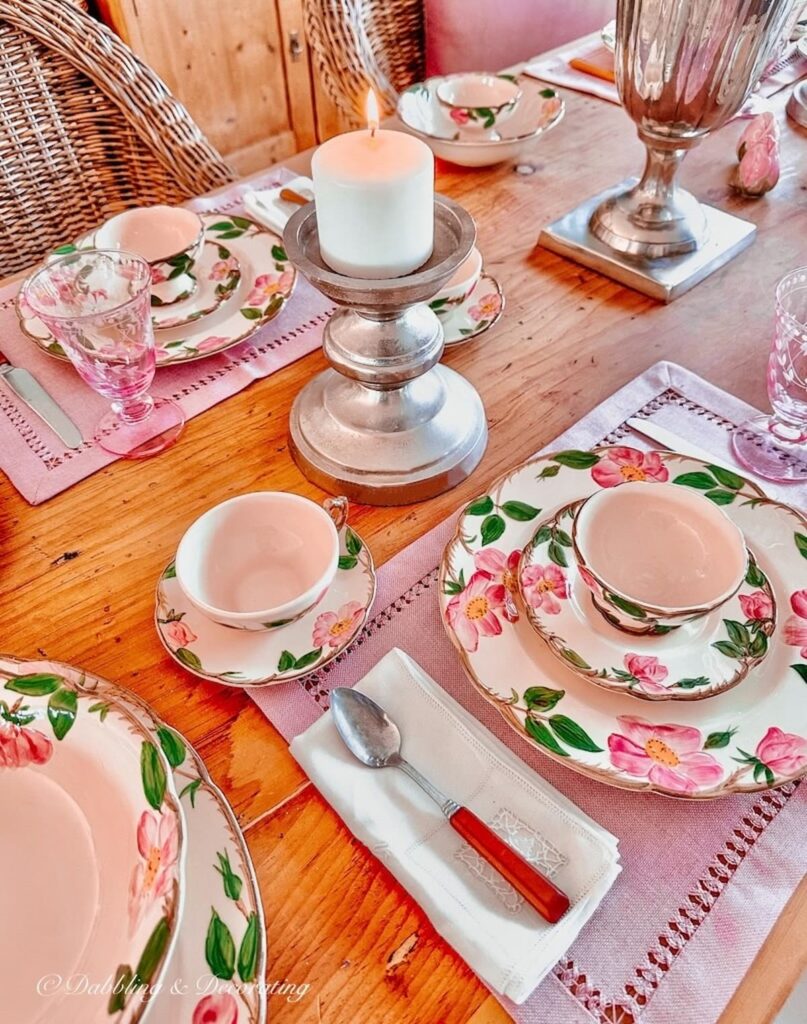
245	280
241	658
697	660
751	737
93	878
475	314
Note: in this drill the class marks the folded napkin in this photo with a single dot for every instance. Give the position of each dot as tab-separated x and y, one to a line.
556	70
492	928
266	206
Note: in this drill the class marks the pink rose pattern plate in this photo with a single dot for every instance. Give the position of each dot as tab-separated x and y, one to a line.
700	659
475	314
245	280
752	737
241	658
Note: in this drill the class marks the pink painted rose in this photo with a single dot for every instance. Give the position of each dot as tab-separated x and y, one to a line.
267	285
544	587
588	578
219	1008
332	628
756	605
472	613
760	129
666	755
783	752
460	116
222	269
758	171
624	464
795	629
161	354
213	342
647	669
502	570
158	846
180	634
158	275
549	110
21	746
487	307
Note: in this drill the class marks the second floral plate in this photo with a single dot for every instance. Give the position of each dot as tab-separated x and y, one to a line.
241	658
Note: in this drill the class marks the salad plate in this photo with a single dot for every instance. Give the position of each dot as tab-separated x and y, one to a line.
751	737
244	281
697	660
237	657
220	950
477	312
422	114
94	878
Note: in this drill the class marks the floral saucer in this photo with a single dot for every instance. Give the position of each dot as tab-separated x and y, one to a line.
422	114
752	737
87	789
248	282
477	313
221	933
700	659
240	658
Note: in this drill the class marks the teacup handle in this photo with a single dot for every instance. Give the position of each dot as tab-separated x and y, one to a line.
337	509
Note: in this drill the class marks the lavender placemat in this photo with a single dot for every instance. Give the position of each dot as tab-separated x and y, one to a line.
34	458
702	883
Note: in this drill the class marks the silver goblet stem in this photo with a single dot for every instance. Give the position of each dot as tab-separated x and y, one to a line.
683	69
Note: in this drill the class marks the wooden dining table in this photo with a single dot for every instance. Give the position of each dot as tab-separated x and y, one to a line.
78	573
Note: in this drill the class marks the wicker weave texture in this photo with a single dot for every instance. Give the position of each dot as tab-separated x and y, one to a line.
362	44
86	130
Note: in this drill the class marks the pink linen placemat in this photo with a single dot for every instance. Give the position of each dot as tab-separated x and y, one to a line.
35	459
702	883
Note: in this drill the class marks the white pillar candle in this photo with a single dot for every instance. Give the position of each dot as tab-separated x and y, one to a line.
374	191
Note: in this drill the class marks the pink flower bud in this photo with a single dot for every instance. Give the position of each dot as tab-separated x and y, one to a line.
759	129
758	170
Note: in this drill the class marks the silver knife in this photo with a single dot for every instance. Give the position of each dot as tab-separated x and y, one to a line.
26	387
670	440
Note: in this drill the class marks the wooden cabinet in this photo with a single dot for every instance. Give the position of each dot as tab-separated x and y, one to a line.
242	69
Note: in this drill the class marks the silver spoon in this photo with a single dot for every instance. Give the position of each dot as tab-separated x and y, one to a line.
371	736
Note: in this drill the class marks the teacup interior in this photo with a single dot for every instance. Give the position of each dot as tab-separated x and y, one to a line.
475	90
662	544
153	232
258	552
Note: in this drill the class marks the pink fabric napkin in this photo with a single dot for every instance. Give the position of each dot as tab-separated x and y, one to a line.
702	882
33	457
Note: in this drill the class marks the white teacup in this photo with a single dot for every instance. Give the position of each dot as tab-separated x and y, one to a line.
261	560
478	101
169	238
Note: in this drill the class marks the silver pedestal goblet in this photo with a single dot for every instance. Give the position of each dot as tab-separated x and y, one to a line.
683	69
387	425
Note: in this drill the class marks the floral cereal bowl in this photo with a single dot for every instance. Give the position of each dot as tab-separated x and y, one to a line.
479	101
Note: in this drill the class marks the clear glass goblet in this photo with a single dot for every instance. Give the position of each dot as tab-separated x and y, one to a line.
96	304
775	447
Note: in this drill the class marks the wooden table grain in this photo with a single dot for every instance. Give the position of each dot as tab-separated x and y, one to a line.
78	572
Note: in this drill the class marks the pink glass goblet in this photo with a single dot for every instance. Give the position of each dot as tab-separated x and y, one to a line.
96	304
775	447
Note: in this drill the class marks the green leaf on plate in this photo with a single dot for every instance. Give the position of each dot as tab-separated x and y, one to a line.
219	948
170	572
562	537
188	658
34	685
758	645
576	459
451	587
481	507
547	94
726	478
548	471
279	254
63	250
729	649
542	698
248	952
62	708
153	774
308	659
572	734
347	562
520	511
101	709
232	234
232	883
117	998
701	481
557	554
801	670
691	682
152	954
542	536
573	658
628	607
801	543
352	542
242	222
721	497
286	662
755	577
541	734
190	790
173	746
738	634
715	740
492	528
250	313
221	225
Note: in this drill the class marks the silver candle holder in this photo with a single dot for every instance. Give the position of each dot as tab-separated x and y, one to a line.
387	425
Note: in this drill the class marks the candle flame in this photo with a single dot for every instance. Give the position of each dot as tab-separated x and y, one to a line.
372	111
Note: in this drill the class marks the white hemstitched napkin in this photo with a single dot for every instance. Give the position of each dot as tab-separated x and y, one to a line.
490	926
